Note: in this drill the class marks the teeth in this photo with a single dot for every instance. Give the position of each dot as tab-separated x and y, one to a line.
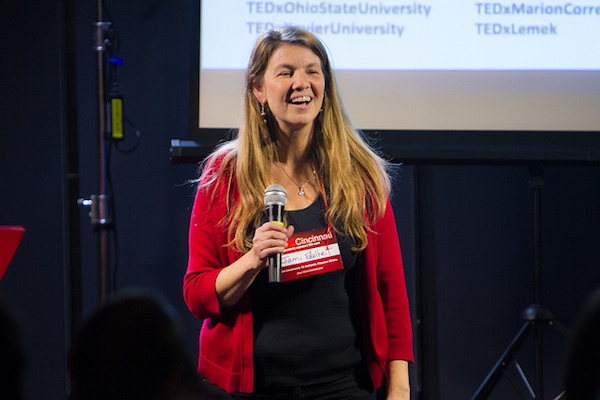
302	99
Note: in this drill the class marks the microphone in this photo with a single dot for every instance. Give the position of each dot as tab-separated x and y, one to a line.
275	198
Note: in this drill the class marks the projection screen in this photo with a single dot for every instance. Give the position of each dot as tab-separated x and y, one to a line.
435	65
433	81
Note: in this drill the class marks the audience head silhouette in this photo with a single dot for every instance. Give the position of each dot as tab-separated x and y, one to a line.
12	355
582	366
131	348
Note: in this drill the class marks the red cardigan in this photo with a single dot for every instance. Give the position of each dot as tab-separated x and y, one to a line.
226	338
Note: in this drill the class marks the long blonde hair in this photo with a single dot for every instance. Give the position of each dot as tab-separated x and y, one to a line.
355	177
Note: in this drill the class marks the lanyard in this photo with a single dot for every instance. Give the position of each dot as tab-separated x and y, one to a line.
326	216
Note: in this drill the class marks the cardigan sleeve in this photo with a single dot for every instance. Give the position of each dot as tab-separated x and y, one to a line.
391	284
207	255
207	241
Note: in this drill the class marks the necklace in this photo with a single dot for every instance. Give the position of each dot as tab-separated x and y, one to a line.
300	187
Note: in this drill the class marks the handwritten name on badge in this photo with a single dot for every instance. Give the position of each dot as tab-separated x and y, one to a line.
310	253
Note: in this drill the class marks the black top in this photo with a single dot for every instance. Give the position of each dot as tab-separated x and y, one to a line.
307	331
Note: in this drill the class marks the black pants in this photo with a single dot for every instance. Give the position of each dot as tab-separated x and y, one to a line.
349	387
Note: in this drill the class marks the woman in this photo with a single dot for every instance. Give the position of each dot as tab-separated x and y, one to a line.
340	317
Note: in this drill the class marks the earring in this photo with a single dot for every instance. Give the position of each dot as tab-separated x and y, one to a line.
263	112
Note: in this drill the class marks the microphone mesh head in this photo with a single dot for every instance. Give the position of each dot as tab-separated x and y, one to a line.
275	194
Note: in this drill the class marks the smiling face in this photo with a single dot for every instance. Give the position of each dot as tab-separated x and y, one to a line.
293	87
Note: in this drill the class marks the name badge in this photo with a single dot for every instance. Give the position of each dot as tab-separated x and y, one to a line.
310	253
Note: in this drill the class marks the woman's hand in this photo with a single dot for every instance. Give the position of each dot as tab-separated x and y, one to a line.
233	281
269	239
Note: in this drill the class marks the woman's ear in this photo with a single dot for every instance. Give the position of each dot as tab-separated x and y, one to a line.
258	92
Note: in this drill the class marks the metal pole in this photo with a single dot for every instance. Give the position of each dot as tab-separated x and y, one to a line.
100	203
537	184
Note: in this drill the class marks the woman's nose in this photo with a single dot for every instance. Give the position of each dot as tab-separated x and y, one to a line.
300	82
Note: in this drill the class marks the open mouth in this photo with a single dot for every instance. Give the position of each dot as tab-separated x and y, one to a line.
301	100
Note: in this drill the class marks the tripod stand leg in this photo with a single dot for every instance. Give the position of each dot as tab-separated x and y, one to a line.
539	360
490	381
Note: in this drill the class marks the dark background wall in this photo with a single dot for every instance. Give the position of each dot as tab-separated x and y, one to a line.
466	230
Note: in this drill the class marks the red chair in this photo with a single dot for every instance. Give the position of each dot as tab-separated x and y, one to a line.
10	237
